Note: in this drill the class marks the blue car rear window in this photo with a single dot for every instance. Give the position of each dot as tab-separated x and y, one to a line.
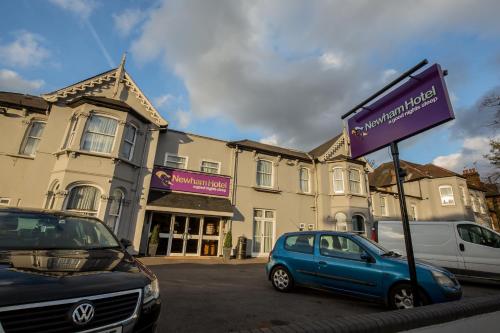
300	243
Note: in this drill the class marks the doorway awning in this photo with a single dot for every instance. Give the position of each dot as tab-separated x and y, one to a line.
189	204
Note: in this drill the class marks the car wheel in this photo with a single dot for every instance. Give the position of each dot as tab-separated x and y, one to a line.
401	297
282	279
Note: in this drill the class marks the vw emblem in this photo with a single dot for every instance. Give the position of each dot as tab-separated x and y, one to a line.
83	313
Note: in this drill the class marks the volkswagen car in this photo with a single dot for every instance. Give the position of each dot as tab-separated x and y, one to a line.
351	264
62	272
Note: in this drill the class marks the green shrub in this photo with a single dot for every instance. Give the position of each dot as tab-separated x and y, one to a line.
228	240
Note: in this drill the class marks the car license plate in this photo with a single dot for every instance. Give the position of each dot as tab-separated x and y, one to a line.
112	330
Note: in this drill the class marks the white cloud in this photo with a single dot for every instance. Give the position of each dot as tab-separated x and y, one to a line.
184	118
471	155
82	8
164	100
128	20
389	74
331	60
25	51
270	140
257	65
12	81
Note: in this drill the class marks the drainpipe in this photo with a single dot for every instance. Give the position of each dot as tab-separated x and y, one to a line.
316	188
235	181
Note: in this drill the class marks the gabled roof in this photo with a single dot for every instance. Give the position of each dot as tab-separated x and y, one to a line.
105	77
20	101
384	175
323	148
273	150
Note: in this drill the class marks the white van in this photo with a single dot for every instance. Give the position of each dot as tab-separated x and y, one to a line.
464	248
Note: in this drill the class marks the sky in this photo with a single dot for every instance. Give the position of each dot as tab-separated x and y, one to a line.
277	71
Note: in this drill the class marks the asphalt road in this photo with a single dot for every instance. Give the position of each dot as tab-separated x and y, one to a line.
225	298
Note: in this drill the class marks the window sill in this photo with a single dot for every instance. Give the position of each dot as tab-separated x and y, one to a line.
305	193
266	189
27	157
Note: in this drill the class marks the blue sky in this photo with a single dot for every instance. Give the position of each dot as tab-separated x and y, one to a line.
278	71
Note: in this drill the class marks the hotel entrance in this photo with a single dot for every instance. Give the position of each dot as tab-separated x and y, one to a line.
187	235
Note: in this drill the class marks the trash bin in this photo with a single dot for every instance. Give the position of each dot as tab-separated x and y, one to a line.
241	248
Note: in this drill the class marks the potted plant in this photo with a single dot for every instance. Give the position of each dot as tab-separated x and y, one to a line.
154	240
228	244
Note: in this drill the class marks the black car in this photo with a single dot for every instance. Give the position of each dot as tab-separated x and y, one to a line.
63	272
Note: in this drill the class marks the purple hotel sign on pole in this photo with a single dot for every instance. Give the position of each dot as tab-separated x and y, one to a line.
189	181
417	105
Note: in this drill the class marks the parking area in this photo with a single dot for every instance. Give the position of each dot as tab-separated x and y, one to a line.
215	297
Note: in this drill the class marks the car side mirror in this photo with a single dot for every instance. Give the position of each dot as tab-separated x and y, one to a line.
125	242
366	257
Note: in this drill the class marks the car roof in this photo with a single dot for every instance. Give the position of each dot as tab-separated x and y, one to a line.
58	213
314	232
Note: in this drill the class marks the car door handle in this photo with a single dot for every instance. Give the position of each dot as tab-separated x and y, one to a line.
462	247
322	263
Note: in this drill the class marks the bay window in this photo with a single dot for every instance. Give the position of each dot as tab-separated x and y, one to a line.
446	193
354	181
115	210
99	135
338	180
129	137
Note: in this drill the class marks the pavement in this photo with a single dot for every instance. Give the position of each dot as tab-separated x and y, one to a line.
210	295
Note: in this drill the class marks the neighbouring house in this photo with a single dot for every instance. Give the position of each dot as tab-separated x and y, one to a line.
432	194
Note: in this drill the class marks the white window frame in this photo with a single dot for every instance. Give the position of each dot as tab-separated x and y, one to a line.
171	154
4	201
308	180
441	195
86	130
355	181
341	225
463	194
383	200
341	172
257	172
120	209
263	219
84	212
210	161
51	195
131	153
481	205
28	136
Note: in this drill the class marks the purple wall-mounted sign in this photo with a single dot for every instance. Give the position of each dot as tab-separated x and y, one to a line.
189	181
419	104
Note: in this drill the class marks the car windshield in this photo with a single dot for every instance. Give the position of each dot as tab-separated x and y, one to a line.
372	246
37	231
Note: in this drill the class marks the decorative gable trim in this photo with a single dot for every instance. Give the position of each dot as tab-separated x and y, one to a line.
108	77
332	151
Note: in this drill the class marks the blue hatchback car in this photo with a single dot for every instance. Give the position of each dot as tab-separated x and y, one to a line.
351	264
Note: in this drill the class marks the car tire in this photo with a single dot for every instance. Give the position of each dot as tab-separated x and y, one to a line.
401	297
282	279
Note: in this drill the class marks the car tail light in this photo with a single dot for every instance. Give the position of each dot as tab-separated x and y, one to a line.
374	235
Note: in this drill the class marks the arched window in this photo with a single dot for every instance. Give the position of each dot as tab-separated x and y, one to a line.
304	180
84	199
358	223
51	195
115	210
99	134
341	220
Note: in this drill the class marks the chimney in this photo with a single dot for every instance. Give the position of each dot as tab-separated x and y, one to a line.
472	176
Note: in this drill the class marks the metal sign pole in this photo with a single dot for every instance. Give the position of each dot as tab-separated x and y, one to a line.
406	224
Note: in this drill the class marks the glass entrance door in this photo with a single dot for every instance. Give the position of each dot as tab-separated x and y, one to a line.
263	232
185	235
